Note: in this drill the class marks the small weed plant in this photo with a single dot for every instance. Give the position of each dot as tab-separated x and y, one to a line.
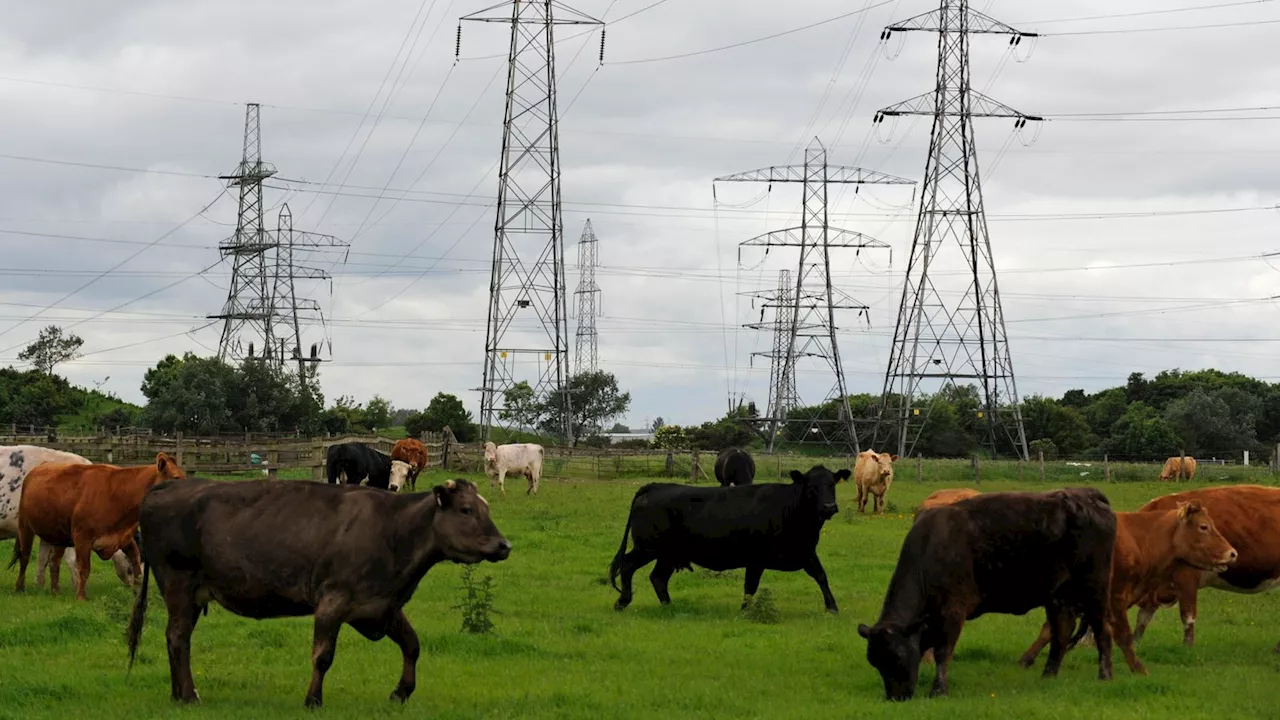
477	603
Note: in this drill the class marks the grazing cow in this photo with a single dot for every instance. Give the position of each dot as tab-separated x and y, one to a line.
1170	470
1248	517
873	474
1150	547
1007	552
938	498
15	462
125	570
343	553
734	466
413	453
357	463
93	508
513	459
757	527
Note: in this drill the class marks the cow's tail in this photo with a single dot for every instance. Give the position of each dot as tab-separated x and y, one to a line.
134	633
617	559
1081	630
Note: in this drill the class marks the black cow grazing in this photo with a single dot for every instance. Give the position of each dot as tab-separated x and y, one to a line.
758	527
343	553
358	462
1007	553
734	466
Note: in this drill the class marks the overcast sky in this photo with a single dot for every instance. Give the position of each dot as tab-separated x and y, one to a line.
155	92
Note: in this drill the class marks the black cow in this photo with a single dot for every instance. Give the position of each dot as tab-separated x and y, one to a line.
343	553
758	527
734	466
1006	553
358	461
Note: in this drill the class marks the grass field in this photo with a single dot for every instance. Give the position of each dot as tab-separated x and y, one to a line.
560	651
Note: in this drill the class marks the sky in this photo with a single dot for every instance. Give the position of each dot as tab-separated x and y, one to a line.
1128	237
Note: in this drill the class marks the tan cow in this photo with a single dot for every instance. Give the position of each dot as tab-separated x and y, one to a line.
1170	471
873	474
938	498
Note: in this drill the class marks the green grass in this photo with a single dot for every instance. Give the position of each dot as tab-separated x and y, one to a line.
558	650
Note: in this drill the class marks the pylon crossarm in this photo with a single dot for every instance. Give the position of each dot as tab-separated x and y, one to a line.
979	106
837	174
576	17
972	22
794	237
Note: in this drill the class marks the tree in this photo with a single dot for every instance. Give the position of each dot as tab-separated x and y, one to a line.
1215	421
594	396
377	414
50	349
1141	433
620	428
207	396
1047	419
34	398
670	437
444	409
657	423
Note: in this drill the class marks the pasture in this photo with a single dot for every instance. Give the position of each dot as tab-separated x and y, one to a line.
559	650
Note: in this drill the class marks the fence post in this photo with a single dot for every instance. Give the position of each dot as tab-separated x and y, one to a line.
111	451
1040	453
273	459
444	449
1246	458
671	464
1182	465
919	467
317	460
977	471
1275	458
1019	469
179	452
1106	466
693	469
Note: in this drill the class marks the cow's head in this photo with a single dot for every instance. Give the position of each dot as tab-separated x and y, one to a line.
399	475
1197	542
167	468
884	463
820	485
894	652
490	453
462	528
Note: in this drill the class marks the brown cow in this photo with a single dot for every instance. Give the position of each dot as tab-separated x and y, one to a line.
412	453
1150	547
873	474
1247	516
1170	470
939	498
91	507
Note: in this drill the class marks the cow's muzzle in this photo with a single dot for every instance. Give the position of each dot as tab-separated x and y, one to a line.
502	553
829	510
1227	559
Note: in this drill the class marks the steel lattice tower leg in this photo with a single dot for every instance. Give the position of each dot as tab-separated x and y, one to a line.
586	350
946	334
528	277
782	374
811	306
247	312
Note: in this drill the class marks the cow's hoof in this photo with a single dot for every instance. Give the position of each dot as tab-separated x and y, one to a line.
938	692
1139	670
621	604
833	610
1277	648
400	694
313	702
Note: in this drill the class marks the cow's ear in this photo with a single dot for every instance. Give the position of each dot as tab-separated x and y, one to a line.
1188	508
442	495
797	476
842	475
893	458
161	461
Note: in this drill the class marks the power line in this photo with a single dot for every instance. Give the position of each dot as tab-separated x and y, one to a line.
1147	12
1128	31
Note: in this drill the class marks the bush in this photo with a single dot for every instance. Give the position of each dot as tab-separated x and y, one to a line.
1046	446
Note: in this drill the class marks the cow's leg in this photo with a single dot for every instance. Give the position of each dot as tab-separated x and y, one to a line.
403	634
1029	657
56	553
862	501
323	645
502	482
819	575
631	562
1122	634
660	576
951	627
22	546
42	562
1095	616
1061	624
1146	613
179	600
134	555
751	584
84	558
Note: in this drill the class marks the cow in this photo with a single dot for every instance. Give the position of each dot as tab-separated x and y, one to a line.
1149	548
357	463
771	526
1247	516
91	507
413	453
734	466
266	549
15	462
1170	469
1004	552
513	459
873	474
938	498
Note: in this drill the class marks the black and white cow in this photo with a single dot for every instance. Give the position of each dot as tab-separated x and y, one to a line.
357	463
771	526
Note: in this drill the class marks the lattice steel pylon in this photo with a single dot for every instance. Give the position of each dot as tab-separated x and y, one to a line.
782	374
586	349
528	249
247	313
964	337
286	306
813	303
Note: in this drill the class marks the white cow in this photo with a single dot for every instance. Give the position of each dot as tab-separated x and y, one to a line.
513	459
15	462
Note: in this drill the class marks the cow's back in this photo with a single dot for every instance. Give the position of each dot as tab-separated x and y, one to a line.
1248	517
866	469
16	462
1014	551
